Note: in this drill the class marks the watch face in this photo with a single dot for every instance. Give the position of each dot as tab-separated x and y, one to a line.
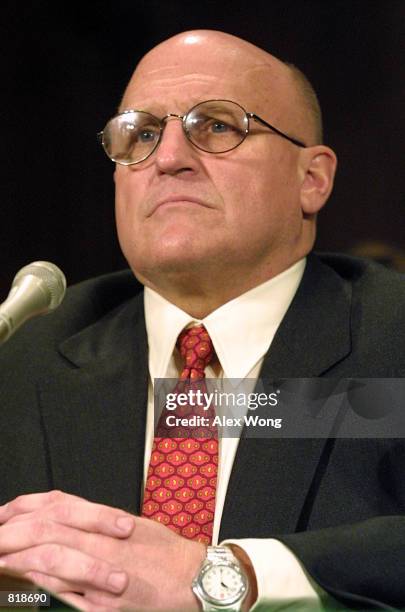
223	583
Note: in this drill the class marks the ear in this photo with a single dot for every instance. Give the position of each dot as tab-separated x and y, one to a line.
318	167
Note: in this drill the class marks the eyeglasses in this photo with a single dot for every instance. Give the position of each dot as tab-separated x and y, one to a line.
214	126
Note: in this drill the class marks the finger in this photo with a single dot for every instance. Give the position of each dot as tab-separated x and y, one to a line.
58	587
78	513
50	583
72	566
81	603
31	502
21	535
92	518
62	588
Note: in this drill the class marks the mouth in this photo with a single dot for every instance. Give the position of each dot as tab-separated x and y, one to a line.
177	200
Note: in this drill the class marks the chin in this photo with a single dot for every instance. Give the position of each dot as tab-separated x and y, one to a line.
176	247
168	267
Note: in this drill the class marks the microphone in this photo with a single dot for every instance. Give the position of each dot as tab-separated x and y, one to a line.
37	289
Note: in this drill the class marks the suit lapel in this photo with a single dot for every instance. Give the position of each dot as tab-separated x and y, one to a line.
94	411
283	473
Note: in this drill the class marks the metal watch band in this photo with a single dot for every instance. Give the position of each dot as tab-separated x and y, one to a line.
216	554
209	608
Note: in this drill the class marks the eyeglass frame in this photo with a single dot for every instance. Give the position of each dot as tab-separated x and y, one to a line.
183	119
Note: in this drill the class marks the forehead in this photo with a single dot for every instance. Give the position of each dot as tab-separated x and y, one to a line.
175	81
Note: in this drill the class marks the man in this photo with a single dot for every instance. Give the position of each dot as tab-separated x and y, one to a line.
216	224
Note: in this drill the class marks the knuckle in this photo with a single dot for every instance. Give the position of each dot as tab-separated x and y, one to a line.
18	504
51	556
61	511
41	529
56	496
92	571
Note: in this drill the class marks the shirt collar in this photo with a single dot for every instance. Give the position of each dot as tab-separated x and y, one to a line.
241	330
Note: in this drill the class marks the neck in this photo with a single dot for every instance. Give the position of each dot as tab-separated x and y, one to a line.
197	306
201	296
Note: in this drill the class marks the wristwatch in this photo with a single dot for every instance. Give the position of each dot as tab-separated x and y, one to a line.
221	583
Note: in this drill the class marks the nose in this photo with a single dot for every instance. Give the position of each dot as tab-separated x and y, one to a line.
175	152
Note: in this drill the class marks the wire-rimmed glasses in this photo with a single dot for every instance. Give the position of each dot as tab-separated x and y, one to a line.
213	126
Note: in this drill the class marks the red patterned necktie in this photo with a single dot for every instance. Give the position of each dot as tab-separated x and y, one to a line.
182	475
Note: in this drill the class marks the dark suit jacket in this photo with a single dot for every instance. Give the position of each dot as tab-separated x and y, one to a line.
73	395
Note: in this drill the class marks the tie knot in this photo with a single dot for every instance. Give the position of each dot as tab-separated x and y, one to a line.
197	350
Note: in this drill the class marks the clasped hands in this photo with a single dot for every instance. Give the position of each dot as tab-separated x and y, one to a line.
98	558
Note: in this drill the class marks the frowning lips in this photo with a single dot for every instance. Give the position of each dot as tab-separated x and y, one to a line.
178	198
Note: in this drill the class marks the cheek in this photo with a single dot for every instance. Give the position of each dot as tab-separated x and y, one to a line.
263	200
128	195
274	181
126	208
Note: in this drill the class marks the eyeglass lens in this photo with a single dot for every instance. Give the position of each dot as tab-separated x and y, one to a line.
215	126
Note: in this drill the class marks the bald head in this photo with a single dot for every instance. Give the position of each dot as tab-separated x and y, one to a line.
308	101
278	91
199	228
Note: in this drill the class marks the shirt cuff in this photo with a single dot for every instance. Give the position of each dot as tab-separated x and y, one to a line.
282	582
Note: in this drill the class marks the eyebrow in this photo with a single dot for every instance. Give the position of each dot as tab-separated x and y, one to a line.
140	107
146	107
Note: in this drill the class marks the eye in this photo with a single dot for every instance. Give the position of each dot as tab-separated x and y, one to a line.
219	127
207	124
146	136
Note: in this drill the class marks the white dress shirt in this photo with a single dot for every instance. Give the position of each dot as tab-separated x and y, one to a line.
242	331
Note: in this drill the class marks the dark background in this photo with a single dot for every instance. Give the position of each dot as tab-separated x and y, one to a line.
65	65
